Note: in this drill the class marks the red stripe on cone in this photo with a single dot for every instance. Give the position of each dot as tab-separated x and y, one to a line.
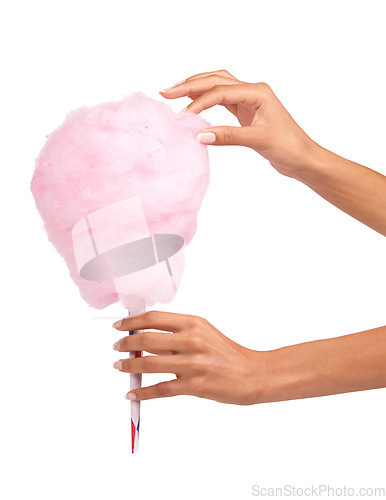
132	436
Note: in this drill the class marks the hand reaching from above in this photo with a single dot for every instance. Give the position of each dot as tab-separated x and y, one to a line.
266	126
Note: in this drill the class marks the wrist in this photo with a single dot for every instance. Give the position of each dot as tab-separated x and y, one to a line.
301	158
284	374
265	377
317	167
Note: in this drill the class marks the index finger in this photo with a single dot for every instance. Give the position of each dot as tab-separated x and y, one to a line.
196	86
249	94
221	72
171	322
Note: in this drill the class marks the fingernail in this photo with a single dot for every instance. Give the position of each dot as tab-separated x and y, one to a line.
183	110
118	365
116	346
206	137
131	396
172	87
117	324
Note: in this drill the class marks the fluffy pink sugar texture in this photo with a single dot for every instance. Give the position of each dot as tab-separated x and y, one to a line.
100	155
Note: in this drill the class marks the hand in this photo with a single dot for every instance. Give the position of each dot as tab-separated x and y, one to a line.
266	126
207	364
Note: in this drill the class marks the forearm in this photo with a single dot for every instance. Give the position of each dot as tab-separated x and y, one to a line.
353	188
349	363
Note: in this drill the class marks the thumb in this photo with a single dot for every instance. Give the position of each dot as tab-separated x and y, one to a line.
236	136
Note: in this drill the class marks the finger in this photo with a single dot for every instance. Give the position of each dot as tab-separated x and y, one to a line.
149	364
232	108
149	341
252	137
247	94
197	86
160	353
221	72
162	390
157	320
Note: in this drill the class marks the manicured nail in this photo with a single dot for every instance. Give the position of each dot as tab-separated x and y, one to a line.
131	396
116	346
118	365
172	87
206	137
117	324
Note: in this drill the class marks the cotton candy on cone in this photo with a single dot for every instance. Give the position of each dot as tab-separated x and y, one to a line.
106	154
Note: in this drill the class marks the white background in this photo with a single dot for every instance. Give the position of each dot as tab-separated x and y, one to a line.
271	264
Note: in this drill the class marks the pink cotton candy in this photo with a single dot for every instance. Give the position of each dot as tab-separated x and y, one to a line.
137	150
